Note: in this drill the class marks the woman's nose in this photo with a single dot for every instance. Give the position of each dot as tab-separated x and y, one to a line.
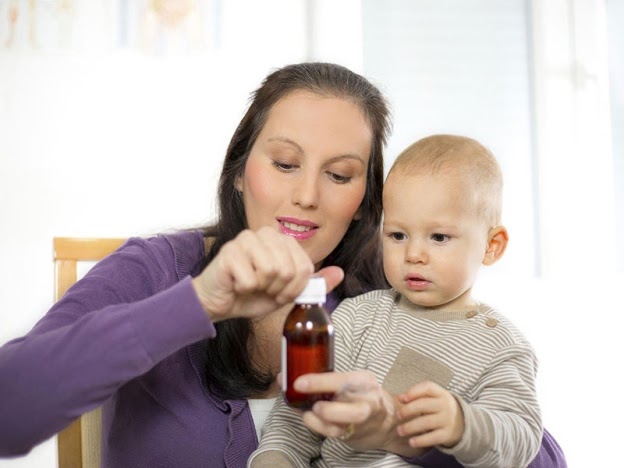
306	191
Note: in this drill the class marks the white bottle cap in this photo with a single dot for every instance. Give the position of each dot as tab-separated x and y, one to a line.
314	292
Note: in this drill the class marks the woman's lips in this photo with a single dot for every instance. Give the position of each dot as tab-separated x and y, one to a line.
299	229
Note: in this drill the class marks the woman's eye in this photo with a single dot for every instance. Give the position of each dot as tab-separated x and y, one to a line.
284	167
440	237
340	179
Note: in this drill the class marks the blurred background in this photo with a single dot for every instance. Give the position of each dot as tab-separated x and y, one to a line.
115	116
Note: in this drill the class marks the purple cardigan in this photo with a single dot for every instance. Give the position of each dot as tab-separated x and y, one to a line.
130	335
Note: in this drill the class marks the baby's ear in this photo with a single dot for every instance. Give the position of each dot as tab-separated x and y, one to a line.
497	243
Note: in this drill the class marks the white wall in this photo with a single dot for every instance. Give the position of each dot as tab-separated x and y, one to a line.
615	13
103	140
580	314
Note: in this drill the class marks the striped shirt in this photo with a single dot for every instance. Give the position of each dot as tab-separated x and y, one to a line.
477	355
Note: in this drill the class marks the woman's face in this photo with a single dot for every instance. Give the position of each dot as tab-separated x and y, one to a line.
306	173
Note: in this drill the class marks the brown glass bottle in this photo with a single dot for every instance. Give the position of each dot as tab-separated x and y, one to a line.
307	344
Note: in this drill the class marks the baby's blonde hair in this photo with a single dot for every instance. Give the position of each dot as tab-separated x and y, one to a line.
461	157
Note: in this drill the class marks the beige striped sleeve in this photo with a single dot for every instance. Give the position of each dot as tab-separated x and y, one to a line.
503	426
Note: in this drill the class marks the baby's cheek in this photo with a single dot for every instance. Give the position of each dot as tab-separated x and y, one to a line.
391	268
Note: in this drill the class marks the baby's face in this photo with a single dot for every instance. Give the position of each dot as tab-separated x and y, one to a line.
434	241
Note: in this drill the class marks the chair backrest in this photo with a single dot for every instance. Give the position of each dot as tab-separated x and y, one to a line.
79	445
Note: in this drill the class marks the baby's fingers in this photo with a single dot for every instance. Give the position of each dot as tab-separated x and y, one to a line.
417	425
420	390
429	439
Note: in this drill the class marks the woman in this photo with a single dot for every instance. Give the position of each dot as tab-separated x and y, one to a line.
178	336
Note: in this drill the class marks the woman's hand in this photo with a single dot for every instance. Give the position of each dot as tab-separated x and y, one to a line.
361	409
430	416
256	273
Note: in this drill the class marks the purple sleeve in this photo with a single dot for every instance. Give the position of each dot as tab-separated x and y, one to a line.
115	324
550	455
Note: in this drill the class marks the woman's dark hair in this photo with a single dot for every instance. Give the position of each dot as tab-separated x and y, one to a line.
230	367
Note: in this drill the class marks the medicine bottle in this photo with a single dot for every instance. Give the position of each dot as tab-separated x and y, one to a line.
307	343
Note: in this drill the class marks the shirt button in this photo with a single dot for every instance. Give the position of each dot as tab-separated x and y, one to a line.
471	313
491	322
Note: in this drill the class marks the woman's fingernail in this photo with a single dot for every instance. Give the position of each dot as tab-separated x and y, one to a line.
301	384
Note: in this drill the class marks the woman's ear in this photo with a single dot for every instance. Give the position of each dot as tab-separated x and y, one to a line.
496	246
238	183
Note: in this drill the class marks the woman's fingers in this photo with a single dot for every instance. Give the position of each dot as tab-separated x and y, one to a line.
294	267
255	273
362	414
320	426
333	276
357	395
277	265
358	404
270	262
342	383
341	413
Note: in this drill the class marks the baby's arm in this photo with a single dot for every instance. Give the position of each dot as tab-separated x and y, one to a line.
286	441
500	427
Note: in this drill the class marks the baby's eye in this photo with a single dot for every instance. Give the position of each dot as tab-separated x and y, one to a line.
339	179
284	167
397	236
440	237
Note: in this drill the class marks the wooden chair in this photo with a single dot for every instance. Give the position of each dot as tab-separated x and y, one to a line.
79	445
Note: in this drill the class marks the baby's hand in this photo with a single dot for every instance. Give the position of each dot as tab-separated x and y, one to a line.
431	416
